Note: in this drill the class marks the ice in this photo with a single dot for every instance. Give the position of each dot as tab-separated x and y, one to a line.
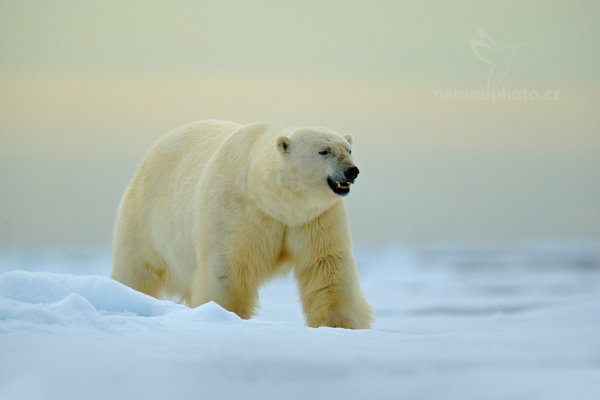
451	323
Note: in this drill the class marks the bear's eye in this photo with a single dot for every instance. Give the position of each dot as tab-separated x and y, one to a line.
325	152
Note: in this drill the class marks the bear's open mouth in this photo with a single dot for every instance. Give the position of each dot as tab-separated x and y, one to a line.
342	188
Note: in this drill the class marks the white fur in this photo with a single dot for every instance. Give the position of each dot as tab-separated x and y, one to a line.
217	208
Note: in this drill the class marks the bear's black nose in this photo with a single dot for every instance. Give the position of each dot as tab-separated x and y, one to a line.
351	173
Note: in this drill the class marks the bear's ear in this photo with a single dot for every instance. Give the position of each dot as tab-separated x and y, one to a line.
283	144
348	138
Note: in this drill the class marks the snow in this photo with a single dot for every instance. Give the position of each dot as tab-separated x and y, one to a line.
451	323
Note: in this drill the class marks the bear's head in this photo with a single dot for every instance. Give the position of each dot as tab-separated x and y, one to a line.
319	160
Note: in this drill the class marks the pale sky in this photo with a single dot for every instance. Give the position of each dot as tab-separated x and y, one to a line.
87	86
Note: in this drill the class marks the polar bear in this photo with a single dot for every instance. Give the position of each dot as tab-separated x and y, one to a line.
217	208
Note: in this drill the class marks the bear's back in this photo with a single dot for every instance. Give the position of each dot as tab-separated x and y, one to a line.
186	148
202	137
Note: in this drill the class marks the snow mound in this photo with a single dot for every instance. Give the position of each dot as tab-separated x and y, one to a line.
212	312
48	298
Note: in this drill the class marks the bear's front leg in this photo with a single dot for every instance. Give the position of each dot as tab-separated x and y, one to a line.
326	272
235	259
331	295
232	285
